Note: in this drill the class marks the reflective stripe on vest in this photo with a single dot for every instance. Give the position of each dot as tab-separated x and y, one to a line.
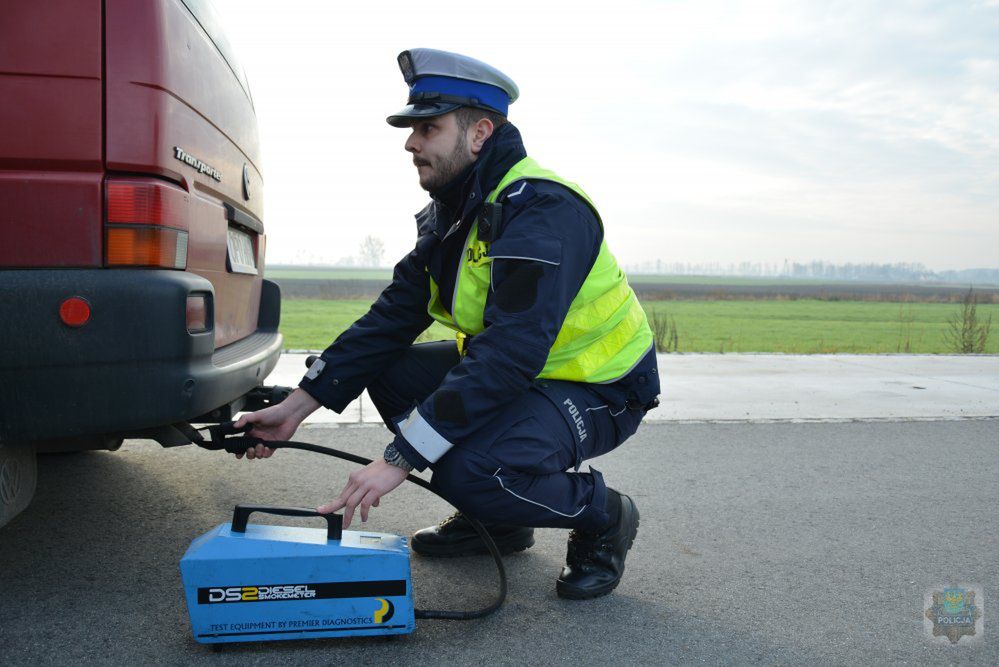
605	332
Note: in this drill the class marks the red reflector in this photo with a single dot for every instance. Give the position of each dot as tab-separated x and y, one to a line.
197	313
74	311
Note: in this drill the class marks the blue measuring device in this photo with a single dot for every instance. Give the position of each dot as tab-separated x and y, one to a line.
262	582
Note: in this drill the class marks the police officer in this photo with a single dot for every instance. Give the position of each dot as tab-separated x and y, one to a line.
554	362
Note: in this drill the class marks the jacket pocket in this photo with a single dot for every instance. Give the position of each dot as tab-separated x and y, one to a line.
545	250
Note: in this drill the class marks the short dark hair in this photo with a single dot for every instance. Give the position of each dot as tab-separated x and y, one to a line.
467	116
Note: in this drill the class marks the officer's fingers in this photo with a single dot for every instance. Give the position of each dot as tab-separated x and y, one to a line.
339	501
348	509
249	418
268	452
370	500
251	453
331	506
376	501
351	505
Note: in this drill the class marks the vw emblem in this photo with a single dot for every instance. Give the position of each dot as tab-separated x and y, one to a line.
246	182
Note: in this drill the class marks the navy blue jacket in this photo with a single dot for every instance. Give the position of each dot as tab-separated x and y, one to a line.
551	239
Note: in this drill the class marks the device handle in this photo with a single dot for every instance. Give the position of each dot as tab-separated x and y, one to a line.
334	522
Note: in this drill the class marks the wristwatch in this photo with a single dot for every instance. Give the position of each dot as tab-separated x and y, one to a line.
394	458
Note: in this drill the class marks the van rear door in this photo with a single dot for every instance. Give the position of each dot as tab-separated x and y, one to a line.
178	108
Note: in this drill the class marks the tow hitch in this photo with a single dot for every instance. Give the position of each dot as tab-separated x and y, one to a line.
175	435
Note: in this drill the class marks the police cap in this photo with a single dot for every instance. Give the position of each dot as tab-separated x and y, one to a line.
440	82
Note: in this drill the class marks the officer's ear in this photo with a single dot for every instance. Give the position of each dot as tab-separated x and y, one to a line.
482	130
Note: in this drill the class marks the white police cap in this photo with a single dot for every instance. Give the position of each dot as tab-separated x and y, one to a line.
440	82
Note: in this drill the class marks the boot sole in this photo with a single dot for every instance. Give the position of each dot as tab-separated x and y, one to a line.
570	592
433	551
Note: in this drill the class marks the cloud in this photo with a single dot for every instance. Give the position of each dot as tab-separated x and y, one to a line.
854	121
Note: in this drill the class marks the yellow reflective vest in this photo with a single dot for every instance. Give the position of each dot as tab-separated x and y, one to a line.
605	332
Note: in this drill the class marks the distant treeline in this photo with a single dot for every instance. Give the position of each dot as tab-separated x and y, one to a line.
908	273
901	272
659	289
831	291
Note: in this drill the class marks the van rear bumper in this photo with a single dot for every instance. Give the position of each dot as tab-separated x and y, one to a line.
132	366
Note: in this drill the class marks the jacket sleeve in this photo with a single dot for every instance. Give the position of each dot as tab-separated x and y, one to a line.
539	263
378	338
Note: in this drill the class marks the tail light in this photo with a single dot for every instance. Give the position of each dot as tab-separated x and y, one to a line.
147	224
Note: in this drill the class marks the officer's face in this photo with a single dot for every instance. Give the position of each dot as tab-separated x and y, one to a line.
440	150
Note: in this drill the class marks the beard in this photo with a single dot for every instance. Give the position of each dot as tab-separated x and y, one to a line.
445	168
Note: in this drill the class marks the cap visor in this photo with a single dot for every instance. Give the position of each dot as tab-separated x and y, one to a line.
414	112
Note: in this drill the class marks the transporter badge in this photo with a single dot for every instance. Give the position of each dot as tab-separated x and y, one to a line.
202	167
954	612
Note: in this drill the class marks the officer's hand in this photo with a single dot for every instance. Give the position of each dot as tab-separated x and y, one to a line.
278	422
364	488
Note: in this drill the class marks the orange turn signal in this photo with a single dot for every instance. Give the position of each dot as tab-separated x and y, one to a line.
140	245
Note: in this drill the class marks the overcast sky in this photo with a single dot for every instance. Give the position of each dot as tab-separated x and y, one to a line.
705	131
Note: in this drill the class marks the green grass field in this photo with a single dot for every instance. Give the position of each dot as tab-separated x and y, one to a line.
809	326
311	324
802	326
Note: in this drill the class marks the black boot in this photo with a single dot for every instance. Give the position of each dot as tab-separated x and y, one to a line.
595	561
454	536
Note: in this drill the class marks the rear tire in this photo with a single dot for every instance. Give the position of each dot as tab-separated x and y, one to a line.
18	476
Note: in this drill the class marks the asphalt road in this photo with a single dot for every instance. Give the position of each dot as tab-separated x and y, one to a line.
783	387
762	543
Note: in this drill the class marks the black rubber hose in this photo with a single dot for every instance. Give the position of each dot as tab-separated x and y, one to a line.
419	481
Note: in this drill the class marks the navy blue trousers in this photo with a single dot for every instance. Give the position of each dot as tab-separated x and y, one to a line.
526	471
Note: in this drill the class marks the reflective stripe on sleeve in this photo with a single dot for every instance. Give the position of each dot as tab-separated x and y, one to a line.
315	369
423	438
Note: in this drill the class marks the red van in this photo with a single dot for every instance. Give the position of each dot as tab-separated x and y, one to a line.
131	229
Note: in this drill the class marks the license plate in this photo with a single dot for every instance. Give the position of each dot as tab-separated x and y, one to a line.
241	257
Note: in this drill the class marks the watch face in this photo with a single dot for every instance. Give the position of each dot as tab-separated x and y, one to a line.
394	458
